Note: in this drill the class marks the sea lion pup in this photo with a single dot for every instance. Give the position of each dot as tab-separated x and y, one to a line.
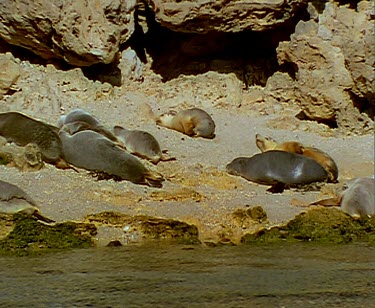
279	169
141	143
22	130
265	143
15	200
78	120
92	151
193	122
358	199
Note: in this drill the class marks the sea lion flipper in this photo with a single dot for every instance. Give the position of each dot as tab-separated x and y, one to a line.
328	202
40	217
154	179
277	188
167	158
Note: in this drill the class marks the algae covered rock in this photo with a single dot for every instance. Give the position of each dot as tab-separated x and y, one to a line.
326	225
28	236
138	228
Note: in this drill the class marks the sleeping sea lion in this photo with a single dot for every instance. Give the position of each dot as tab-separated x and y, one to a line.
92	151
22	130
279	169
15	200
358	199
265	143
78	120
193	122
141	143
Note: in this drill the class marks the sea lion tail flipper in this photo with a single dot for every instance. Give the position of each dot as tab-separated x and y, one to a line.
62	164
42	218
147	111
154	179
167	158
328	202
277	188
117	129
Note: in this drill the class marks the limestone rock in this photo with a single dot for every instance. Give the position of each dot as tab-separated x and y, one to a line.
332	68
214	90
80	32
224	15
9	74
138	228
27	158
131	66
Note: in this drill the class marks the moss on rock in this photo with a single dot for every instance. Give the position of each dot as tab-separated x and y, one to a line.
324	225
29	236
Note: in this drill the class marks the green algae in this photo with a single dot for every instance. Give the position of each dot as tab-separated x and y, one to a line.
4	159
31	237
326	225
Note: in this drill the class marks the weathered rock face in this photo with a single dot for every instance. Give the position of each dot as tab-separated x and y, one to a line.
27	158
9	74
333	58
224	15
80	32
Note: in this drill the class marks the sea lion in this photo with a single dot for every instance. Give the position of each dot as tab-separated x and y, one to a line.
358	199
78	120
141	143
22	130
279	169
92	151
265	143
15	200
193	122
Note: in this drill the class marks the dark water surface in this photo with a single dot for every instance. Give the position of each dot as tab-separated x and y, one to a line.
290	275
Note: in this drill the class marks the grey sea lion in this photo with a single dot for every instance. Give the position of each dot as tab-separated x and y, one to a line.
265	143
358	199
78	120
92	151
15	200
193	122
279	169
141	143
22	130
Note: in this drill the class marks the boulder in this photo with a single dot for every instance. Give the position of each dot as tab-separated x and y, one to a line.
224	15
9	73
333	60
80	32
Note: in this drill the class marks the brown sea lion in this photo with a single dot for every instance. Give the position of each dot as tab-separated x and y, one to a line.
265	143
141	143
92	151
193	122
279	169
15	200
78	120
22	130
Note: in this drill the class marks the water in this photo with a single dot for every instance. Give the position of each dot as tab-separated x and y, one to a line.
297	275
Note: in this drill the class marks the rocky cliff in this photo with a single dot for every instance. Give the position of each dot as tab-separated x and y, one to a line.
279	51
